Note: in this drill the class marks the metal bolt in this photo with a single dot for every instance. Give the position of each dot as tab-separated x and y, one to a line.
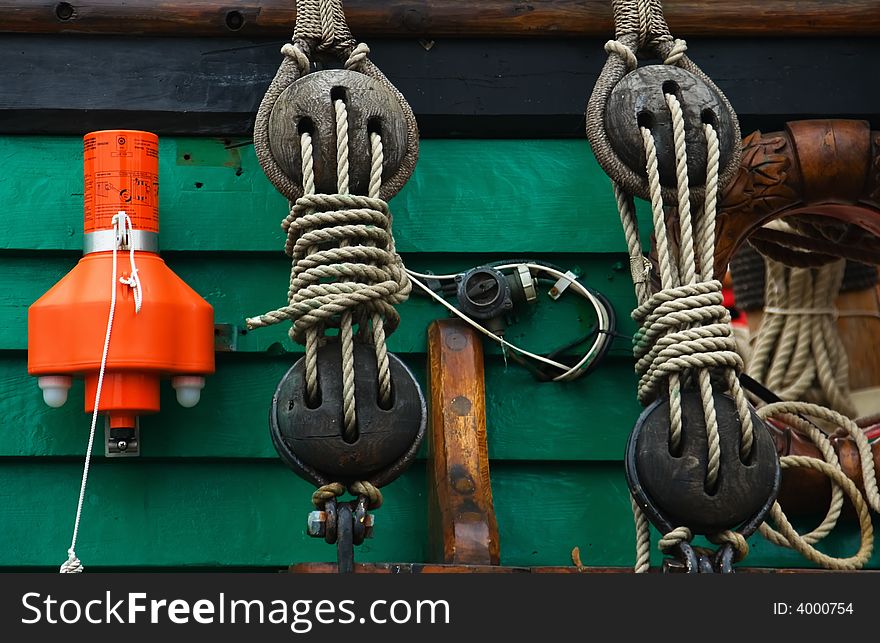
317	524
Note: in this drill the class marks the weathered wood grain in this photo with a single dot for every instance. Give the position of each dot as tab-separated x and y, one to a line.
454	18
505	196
462	527
189	514
825	167
481	88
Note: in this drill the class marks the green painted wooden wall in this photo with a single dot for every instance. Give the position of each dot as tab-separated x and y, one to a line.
209	490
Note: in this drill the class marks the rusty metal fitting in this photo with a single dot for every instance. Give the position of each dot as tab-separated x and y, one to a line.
317	524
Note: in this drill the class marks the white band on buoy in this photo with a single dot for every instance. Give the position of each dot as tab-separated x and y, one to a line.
105	241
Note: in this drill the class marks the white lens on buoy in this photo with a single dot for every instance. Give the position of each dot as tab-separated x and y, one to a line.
55	388
189	389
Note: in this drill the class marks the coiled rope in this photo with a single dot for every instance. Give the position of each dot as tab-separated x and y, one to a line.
358	279
345	270
798	353
793	414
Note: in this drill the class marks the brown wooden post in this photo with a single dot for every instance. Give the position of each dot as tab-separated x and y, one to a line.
442	18
461	518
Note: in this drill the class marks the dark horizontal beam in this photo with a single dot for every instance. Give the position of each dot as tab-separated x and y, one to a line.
440	18
470	88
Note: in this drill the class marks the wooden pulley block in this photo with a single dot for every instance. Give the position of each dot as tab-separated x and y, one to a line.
639	100
671	486
824	168
308	105
309	437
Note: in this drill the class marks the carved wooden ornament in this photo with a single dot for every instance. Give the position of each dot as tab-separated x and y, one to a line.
815	168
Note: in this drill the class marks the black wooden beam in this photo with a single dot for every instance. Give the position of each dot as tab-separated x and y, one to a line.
484	88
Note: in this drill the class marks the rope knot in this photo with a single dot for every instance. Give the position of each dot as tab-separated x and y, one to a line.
327	492
368	489
676	53
733	538
674	538
72	565
357	57
355	267
682	329
624	52
298	56
333	490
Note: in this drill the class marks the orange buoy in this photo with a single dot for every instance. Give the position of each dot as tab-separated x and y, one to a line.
164	330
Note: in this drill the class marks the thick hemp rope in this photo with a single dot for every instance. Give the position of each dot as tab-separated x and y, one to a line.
685	329
798	352
640	26
793	413
345	269
685	332
321	29
363	280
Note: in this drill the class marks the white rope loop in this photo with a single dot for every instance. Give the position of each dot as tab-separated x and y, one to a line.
122	228
123	236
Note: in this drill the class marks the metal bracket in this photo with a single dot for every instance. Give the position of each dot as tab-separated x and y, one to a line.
226	338
344	524
122	443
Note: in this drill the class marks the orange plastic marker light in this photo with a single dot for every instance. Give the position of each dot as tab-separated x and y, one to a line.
172	333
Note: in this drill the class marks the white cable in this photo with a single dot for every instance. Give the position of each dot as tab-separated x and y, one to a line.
73	565
568	372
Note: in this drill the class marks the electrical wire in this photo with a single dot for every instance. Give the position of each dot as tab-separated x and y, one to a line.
603	333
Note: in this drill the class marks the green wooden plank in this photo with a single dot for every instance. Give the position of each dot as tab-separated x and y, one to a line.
588	419
465	196
155	514
242	286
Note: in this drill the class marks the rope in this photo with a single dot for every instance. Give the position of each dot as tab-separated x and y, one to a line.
641	27
122	228
358	488
684	333
345	271
792	413
321	27
798	351
322	24
787	536
643	539
684	326
361	278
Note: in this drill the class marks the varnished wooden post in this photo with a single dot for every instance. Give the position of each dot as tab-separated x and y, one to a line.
461	520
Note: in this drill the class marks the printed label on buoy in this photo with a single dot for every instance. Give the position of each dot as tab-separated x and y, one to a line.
121	173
